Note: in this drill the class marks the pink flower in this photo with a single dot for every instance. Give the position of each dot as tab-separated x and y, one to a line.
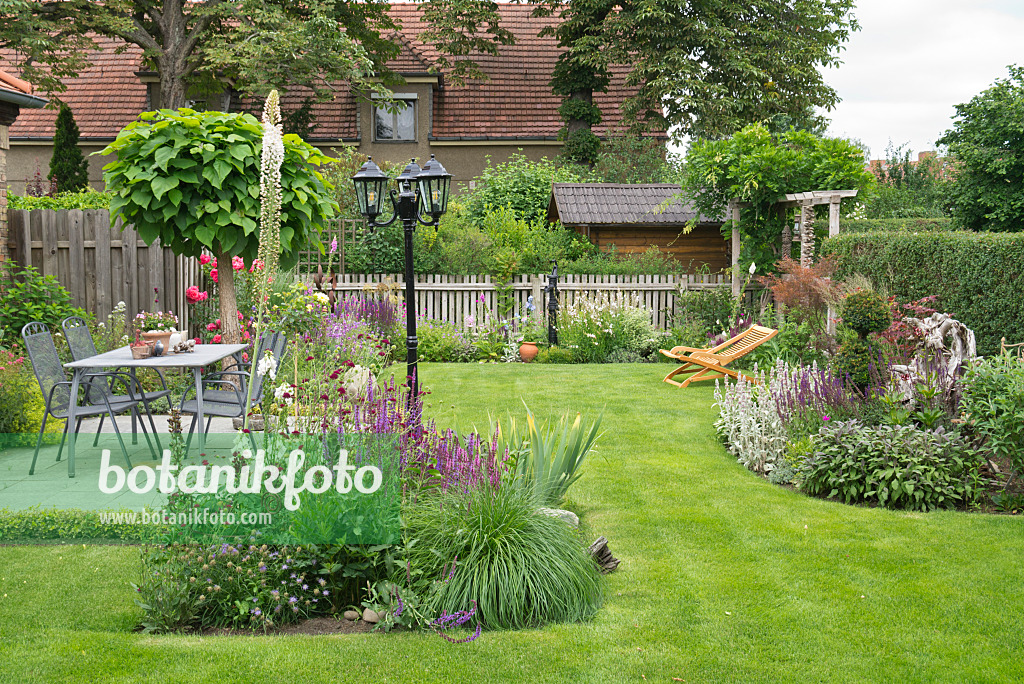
245	335
213	275
257	265
204	259
245	355
210	327
237	263
334	245
239	315
198	341
217	322
825	418
217	338
214	262
194	296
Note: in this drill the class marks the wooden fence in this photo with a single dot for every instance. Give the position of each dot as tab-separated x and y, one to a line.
101	265
455	298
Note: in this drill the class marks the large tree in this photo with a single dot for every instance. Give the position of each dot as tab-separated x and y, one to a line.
705	68
255	45
987	147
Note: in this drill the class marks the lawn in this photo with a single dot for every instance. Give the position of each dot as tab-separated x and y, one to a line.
724	577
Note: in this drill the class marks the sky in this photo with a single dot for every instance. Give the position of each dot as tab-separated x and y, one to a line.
914	60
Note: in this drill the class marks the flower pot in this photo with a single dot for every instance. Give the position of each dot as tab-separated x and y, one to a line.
143	351
528	351
159	335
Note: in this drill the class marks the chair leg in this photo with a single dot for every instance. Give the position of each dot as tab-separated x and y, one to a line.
142	423
39	443
96	439
124	450
209	422
67	425
191	430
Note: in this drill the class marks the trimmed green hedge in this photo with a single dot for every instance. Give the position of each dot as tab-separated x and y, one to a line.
913	225
86	199
55	525
978	277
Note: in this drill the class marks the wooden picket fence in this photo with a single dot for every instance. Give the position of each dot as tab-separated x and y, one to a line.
462	300
99	264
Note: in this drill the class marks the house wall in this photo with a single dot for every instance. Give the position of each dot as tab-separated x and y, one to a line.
704	245
24	156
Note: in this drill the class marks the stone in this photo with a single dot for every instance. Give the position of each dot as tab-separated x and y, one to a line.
370	616
568	517
351	615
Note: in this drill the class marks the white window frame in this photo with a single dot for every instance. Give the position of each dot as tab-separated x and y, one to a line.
411	99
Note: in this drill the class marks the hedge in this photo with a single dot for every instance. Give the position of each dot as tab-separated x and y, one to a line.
913	225
86	199
978	277
42	525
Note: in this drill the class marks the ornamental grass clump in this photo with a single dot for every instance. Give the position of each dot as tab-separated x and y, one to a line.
491	548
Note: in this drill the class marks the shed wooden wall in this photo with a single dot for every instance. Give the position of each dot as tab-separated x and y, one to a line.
703	245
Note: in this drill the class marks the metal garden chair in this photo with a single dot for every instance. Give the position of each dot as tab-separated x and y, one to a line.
229	401
76	332
56	390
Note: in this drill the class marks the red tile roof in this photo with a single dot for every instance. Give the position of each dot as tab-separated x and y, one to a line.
14	84
515	102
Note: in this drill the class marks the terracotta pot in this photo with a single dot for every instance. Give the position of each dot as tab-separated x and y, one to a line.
528	351
155	335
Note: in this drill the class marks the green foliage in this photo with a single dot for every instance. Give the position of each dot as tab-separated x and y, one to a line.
592	328
65	524
191	179
248	587
985	142
68	168
522	185
85	199
548	456
860	359
518	567
580	110
27	296
993	401
707	70
581	146
908	189
443	342
912	225
757	167
894	466
709	309
866	312
628	158
978	278
554	354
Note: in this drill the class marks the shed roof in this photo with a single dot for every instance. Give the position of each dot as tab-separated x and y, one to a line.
613	204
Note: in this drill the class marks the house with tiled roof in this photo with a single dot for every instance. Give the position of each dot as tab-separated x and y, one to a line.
14	94
513	110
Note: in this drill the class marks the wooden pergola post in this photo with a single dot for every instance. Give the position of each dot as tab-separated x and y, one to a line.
734	215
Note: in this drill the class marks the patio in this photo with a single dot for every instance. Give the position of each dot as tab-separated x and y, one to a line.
50	486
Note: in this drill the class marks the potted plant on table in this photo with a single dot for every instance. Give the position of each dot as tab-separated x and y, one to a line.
140	348
157	327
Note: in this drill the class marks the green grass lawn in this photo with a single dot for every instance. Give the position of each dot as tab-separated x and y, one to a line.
724	577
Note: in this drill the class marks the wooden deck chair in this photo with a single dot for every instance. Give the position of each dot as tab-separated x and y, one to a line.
709	364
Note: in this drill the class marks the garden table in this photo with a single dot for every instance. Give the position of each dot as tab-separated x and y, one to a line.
204	355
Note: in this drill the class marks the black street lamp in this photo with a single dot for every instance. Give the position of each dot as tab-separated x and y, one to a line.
421	192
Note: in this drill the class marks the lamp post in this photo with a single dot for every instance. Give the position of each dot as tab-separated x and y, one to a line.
421	192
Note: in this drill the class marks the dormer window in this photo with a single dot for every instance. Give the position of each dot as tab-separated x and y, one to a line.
399	125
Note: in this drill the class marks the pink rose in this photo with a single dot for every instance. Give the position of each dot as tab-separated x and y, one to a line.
237	263
217	338
204	259
213	275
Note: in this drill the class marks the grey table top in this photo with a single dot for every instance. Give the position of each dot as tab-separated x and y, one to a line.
204	355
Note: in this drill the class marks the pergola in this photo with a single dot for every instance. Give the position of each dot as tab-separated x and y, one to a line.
803	226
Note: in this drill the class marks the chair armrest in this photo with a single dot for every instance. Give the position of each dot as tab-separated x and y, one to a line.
231	385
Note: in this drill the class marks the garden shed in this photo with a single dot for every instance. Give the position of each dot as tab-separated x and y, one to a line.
634	218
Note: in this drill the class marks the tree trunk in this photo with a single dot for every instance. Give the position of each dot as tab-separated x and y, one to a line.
577	124
229	330
172	84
